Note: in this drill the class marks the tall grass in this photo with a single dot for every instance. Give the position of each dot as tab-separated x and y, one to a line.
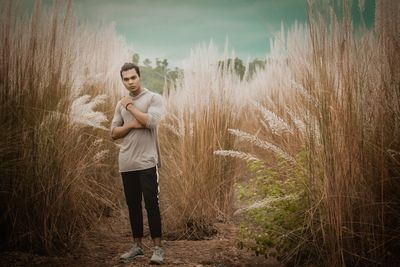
56	172
345	90
198	187
326	104
356	82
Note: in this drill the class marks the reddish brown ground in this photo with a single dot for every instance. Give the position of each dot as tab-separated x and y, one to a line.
103	245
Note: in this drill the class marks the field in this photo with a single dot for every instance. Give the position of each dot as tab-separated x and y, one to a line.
301	158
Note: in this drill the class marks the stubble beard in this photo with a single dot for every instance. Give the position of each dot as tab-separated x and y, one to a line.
135	91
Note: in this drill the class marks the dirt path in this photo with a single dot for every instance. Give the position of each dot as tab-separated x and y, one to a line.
103	245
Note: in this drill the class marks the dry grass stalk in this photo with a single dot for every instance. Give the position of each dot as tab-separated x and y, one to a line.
55	179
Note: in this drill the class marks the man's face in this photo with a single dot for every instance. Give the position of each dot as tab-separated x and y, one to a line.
131	80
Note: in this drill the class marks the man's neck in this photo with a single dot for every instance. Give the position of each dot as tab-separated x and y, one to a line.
136	93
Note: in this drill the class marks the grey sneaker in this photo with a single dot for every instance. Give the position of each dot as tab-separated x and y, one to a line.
133	253
158	256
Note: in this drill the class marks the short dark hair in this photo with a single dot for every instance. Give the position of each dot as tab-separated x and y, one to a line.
129	66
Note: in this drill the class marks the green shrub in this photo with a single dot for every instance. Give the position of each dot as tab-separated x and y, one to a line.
276	219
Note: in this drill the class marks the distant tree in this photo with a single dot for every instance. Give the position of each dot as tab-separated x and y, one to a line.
164	63
254	65
174	74
147	62
158	62
238	66
240	69
172	77
161	76
135	58
158	77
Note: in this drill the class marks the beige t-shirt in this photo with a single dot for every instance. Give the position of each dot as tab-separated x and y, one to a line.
139	148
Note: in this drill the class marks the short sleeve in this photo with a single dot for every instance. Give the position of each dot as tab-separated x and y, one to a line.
155	111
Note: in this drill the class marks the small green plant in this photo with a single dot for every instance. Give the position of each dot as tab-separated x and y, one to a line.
275	217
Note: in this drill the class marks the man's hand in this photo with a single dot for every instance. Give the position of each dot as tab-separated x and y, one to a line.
134	124
140	116
122	131
125	101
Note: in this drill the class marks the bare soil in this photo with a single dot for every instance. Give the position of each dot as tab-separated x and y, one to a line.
103	245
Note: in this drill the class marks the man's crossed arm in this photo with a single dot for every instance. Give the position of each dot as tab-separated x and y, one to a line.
141	119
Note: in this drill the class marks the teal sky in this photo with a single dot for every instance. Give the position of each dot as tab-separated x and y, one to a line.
170	28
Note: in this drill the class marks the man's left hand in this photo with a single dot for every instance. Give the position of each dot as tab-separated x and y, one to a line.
125	101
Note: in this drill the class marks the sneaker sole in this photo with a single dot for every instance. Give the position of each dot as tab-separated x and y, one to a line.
132	258
156	263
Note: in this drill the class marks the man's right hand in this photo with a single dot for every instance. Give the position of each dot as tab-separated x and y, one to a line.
122	131
134	124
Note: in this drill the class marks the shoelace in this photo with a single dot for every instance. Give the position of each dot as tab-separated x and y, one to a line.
158	252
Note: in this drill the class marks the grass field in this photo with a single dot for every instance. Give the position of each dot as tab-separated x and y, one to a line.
307	151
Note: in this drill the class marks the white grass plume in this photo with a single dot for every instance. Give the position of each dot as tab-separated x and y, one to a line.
262	144
300	125
99	156
237	154
82	111
276	124
303	92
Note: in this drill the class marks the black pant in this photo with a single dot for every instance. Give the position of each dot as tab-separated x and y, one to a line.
137	183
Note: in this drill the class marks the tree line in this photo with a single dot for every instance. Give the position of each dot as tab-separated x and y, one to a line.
161	75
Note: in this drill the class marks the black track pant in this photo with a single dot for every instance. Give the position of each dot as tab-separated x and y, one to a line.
136	184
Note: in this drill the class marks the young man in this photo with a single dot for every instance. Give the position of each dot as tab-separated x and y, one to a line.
135	120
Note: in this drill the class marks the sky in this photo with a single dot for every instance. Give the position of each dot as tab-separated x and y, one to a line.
171	28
